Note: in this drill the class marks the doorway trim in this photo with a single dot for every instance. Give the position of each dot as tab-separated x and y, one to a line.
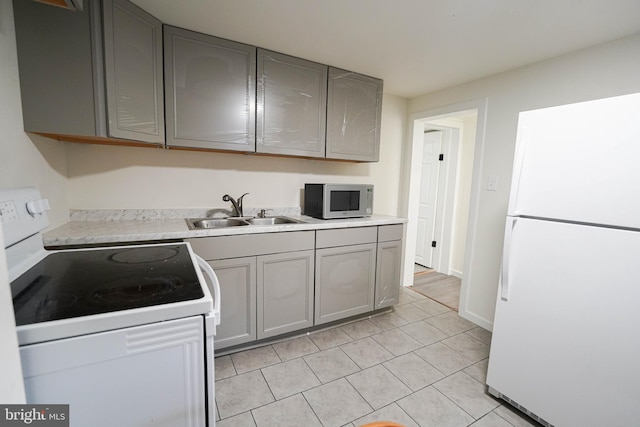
417	122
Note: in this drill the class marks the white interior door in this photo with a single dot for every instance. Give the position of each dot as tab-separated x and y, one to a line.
429	180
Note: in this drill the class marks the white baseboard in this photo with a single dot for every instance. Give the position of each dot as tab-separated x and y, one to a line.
483	323
456	273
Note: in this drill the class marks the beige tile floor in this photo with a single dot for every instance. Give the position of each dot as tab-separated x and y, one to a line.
422	365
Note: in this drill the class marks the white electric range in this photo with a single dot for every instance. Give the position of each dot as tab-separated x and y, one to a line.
124	335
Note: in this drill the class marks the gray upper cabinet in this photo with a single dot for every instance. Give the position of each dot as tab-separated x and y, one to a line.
92	75
354	109
133	64
292	103
210	91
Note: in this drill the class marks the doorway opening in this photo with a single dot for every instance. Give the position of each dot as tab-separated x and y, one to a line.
444	171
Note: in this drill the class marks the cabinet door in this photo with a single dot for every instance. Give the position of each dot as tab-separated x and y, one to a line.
345	280
388	273
56	69
285	292
133	70
77	68
210	91
237	277
354	109
292	104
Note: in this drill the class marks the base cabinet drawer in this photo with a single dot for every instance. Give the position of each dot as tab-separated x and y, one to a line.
345	281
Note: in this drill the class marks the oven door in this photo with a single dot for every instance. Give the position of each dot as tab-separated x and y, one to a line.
150	375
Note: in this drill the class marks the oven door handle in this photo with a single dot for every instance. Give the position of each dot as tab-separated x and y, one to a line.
211	275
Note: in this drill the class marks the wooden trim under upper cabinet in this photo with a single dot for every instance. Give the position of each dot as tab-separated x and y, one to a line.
125	142
98	140
252	153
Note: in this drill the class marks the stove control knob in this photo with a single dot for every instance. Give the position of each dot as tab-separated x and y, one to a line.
37	207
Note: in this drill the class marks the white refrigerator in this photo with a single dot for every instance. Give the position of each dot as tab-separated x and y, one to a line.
566	336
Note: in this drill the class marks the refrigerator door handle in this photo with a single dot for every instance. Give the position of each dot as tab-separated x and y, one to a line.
518	166
504	274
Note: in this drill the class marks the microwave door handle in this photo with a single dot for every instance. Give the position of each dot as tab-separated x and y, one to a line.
211	275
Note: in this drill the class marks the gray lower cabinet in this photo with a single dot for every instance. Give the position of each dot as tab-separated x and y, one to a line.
237	277
277	283
285	292
354	111
209	91
388	265
345	273
292	105
388	268
93	75
266	283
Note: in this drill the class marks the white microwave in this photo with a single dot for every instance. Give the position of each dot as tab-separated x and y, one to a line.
327	201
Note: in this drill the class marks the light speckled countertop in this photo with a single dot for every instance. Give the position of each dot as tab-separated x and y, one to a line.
122	226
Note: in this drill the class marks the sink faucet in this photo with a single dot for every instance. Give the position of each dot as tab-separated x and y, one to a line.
237	205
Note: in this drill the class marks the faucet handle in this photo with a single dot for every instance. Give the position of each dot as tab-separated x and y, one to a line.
263	213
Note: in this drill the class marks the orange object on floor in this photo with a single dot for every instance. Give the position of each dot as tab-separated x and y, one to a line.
382	424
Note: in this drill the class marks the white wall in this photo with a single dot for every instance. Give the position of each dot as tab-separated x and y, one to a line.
606	70
463	194
103	177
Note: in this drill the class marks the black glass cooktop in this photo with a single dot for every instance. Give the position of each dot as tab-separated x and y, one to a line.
80	283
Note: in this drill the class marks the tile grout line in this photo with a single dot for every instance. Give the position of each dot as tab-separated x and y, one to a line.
412	301
321	384
339	347
450	399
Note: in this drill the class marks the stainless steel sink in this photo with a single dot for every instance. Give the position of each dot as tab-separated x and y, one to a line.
198	223
272	220
206	223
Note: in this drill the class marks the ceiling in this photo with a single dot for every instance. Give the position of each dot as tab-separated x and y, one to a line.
416	46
